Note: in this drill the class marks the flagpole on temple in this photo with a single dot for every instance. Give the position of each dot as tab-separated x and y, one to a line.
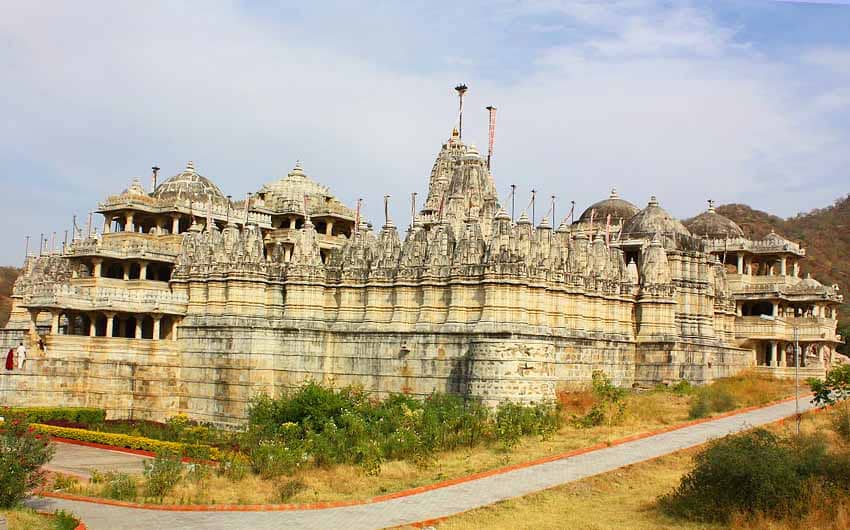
533	197
572	211
386	210
412	209
27	249
461	90
513	202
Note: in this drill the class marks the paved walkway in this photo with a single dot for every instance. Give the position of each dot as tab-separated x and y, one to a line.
435	503
81	460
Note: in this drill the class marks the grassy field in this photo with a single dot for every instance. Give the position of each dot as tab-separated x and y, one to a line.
626	498
645	411
27	519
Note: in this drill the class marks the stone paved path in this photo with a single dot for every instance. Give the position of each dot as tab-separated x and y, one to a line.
432	504
81	460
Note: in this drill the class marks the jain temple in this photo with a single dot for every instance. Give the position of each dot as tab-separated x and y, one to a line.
188	302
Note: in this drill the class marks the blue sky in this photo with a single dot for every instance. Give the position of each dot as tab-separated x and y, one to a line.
745	101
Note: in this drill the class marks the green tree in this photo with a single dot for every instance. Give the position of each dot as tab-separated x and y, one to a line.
834	389
21	458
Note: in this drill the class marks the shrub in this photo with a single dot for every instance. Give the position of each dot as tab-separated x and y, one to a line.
202	452
21	457
64	482
118	486
63	520
162	474
272	459
234	466
754	472
514	421
710	399
289	489
76	415
841	423
328	426
834	389
610	405
682	388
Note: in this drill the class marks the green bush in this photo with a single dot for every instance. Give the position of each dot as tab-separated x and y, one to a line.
754	472
234	466
118	486
21	458
65	521
271	459
84	415
162	474
326	426
610	405
708	400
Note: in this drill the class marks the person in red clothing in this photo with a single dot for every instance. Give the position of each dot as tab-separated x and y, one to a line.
10	359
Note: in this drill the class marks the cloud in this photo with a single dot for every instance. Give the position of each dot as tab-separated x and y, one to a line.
652	99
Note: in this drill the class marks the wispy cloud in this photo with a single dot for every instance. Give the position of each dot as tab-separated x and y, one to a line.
650	97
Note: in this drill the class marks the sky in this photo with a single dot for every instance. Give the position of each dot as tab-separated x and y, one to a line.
736	101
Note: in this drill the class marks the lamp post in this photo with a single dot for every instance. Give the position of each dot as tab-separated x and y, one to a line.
796	364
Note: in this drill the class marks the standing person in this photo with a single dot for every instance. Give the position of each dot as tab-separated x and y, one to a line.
10	359
21	353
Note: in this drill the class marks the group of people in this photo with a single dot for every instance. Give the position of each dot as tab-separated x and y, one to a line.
19	354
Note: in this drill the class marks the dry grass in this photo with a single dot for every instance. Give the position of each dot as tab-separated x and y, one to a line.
26	519
626	498
620	499
645	411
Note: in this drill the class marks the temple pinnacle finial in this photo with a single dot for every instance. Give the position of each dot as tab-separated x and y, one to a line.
613	194
190	166
710	205
653	201
461	90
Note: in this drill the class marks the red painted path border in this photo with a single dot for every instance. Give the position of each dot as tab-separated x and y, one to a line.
389	496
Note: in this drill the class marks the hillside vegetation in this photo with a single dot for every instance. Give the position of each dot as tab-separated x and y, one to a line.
824	233
7	279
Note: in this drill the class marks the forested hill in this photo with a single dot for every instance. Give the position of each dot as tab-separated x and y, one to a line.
7	278
825	234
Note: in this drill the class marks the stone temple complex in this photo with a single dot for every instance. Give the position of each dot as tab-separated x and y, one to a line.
188	302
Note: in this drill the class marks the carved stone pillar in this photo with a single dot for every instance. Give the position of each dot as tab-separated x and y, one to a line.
34	322
110	325
55	315
139	319
126	266
773	355
143	270
783	266
128	222
740	263
329	228
107	221
92	324
156	321
97	267
175	224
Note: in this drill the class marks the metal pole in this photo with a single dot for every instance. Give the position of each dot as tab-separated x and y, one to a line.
27	250
513	201
40	243
533	196
412	208
797	377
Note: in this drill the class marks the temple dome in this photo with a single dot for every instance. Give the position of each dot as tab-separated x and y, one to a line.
615	206
654	219
189	185
713	225
295	185
288	193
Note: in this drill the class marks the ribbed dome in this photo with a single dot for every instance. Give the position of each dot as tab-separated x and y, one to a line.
613	205
713	225
654	219
189	185
295	185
